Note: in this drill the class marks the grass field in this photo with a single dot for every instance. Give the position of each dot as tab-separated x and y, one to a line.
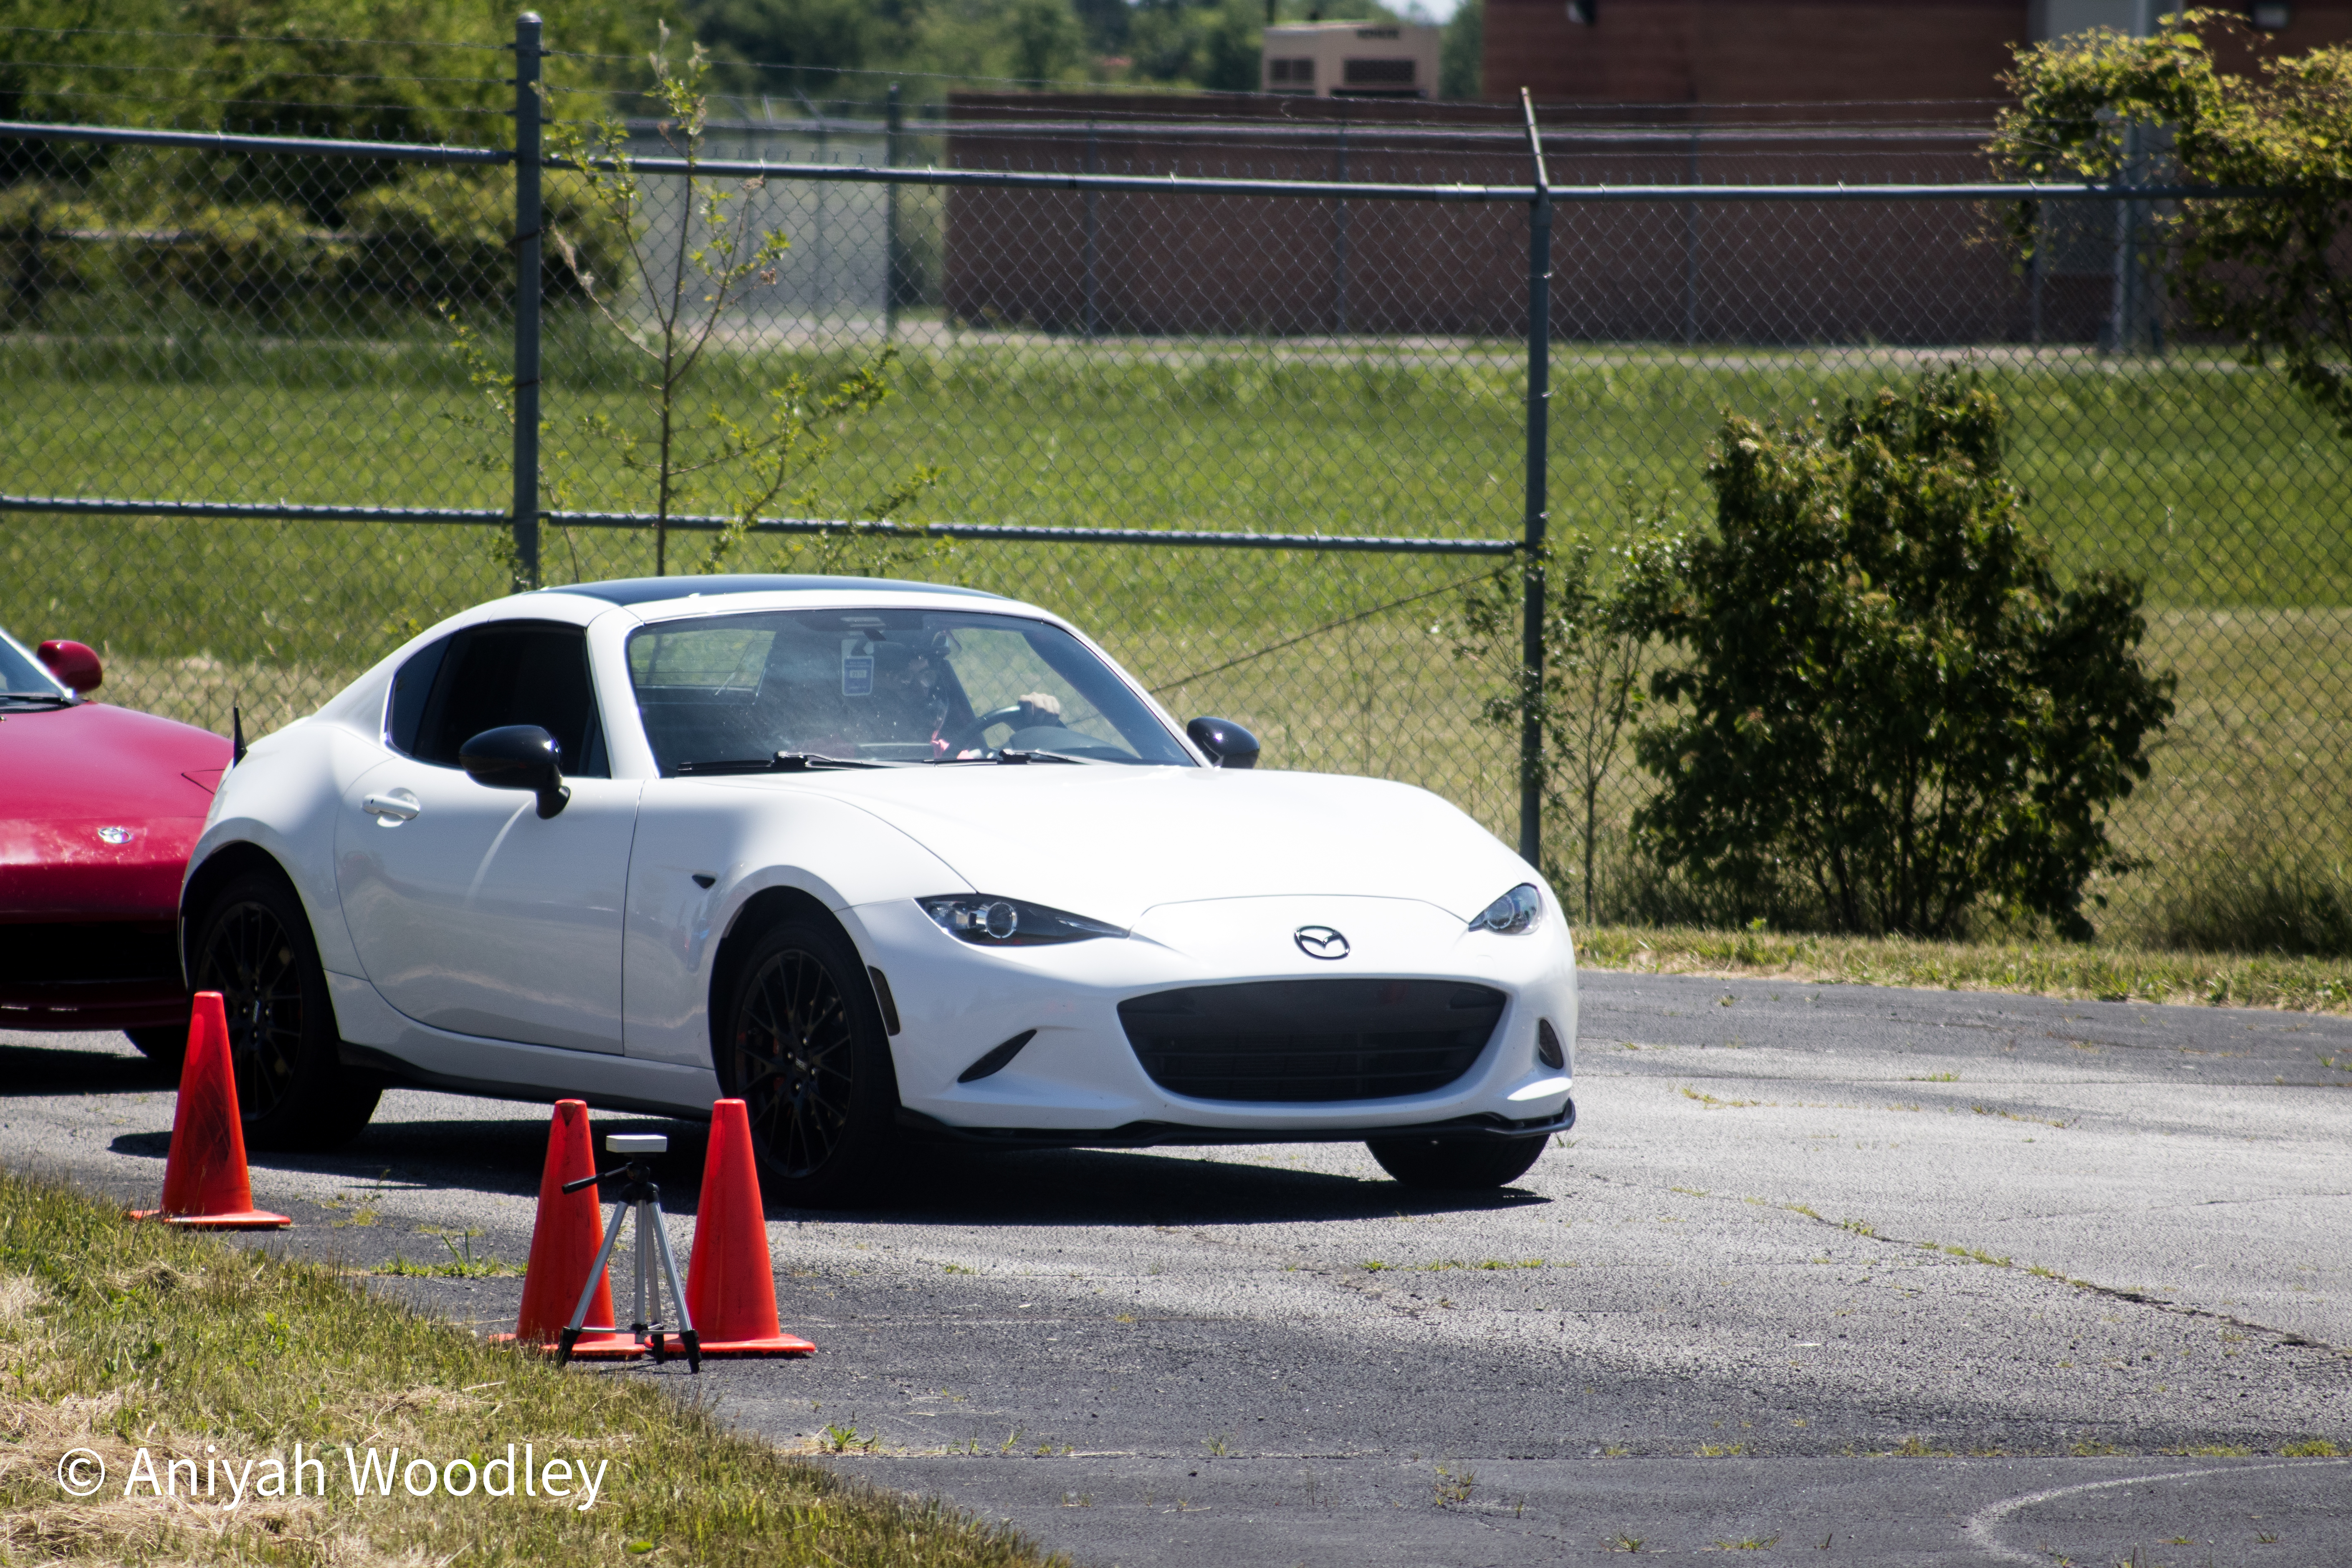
117	1337
2207	480
2105	972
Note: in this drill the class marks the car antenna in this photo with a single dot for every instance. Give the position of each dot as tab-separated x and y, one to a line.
235	737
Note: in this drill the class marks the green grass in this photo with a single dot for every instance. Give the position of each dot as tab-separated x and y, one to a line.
2208	479
2103	972
116	1336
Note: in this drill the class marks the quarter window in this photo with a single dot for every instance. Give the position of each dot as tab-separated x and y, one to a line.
412	687
507	672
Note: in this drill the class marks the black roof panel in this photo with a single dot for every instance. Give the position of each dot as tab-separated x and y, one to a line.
653	590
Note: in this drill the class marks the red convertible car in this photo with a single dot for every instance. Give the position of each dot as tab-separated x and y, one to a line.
98	807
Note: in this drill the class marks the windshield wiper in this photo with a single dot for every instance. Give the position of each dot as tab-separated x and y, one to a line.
783	763
1010	758
39	699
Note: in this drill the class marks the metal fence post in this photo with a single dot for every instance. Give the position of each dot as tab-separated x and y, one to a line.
1531	565
893	269
526	309
1340	243
1092	308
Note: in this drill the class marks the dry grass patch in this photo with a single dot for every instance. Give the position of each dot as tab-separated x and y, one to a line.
117	1337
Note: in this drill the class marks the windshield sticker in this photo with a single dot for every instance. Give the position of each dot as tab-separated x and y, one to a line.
856	670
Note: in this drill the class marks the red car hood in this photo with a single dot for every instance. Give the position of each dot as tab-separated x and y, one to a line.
99	808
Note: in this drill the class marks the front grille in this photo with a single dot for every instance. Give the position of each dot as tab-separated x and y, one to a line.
1311	1040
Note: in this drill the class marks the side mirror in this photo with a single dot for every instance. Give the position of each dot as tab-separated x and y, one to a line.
1228	744
74	663
518	756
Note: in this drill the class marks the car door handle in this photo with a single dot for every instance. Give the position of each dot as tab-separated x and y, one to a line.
393	808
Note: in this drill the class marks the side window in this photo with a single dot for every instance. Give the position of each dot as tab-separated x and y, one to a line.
411	688
515	672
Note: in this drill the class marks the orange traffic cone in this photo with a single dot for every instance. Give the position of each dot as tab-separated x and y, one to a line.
730	1290
563	1242
205	1182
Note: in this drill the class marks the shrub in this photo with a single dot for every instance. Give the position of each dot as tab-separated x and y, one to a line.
1888	699
1596	630
448	235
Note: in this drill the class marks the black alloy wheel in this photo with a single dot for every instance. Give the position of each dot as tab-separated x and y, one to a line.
803	1049
255	949
1457	1164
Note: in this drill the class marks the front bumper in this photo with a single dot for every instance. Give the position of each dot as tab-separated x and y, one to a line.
1163	1134
1077	1078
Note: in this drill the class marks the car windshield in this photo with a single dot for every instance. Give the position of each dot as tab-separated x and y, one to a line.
808	688
22	676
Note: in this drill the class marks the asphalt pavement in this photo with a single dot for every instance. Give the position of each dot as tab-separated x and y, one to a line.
1862	1274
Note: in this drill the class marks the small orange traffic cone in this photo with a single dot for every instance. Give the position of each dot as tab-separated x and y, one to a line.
563	1242
731	1289
204	1183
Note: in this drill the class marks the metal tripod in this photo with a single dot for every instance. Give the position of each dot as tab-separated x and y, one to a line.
635	1192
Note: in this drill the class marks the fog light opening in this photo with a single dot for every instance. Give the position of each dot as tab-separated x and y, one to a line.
1548	1047
997	1061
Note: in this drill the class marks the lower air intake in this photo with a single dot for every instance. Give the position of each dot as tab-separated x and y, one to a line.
1304	1041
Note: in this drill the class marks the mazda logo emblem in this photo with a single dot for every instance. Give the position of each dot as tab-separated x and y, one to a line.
1320	941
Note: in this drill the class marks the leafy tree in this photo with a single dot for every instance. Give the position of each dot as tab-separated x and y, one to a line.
1105	22
847	49
1596	625
1887	697
414	70
812	39
1461	52
1046	41
2272	271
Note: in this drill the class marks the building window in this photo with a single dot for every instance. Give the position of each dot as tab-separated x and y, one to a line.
1377	33
2270	16
1377	73
1291	72
1583	13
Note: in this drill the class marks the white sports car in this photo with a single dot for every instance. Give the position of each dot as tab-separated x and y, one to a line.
885	859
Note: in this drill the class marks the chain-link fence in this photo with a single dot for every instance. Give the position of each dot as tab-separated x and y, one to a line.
1246	398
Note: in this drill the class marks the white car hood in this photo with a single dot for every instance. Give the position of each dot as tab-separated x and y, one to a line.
1111	842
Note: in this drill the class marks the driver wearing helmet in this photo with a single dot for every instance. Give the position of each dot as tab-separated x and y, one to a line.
908	704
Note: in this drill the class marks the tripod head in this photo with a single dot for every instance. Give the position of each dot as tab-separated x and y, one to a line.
635	1179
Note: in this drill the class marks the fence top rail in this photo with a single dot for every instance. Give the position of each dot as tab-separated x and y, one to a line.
1195	538
1011	179
224	142
1375	134
1328	190
286	512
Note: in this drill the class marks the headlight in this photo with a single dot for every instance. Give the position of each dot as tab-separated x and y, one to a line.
1515	913
986	922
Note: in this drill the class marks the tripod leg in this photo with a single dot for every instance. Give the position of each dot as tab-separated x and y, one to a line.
570	1335
686	1337
649	1325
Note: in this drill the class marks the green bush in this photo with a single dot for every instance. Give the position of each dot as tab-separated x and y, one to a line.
434	236
446	234
1890	709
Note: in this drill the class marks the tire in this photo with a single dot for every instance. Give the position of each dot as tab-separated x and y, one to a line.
802	1045
254	946
1459	1164
165	1044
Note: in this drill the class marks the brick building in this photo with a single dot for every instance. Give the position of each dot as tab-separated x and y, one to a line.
1877	53
1644	92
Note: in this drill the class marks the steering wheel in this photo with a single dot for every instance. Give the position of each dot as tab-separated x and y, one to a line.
967	735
